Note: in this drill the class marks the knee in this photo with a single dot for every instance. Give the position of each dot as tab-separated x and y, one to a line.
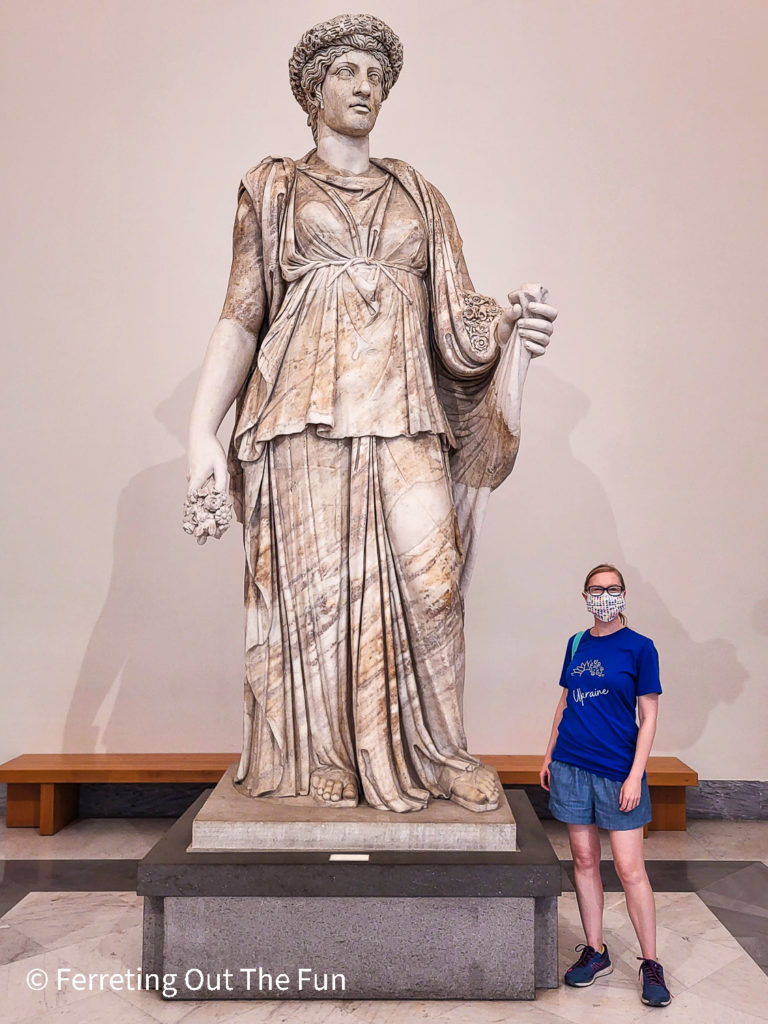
631	872
586	860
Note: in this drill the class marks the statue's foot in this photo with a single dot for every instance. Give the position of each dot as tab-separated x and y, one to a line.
336	786
476	789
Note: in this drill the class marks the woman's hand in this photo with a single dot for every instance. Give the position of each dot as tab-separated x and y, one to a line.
629	797
205	459
535	322
544	773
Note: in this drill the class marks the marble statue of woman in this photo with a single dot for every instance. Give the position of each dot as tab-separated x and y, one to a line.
377	405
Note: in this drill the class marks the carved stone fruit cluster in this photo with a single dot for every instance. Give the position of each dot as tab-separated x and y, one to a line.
207	513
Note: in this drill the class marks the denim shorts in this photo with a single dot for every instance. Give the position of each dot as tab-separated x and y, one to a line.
579	797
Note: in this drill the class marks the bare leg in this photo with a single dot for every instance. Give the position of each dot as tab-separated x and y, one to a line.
630	867
585	847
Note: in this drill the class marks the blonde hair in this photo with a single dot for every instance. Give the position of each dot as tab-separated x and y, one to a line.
606	567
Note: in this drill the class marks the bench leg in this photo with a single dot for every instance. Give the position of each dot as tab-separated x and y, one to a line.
23	805
667	809
59	803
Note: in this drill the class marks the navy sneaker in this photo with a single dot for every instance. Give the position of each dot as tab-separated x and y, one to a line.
589	966
655	991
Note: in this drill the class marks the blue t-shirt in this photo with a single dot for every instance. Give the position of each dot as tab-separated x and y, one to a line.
598	730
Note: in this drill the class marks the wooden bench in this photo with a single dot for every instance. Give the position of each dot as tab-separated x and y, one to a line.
44	789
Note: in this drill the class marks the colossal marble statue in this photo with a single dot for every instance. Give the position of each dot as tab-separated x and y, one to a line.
377	399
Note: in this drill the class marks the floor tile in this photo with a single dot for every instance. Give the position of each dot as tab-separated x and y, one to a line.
732	840
85	839
15	945
204	1013
675	846
690	875
21	1003
64	918
95	1009
750	930
745	890
417	1012
740	985
120	952
18	877
10	894
690	1006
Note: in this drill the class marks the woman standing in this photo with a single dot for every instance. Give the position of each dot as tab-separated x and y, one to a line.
594	770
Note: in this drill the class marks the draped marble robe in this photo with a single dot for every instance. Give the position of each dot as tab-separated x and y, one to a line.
368	436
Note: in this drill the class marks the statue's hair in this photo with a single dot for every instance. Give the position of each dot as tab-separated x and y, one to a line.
320	45
314	71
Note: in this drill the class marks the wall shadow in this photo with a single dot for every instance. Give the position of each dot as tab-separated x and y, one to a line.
555	501
162	670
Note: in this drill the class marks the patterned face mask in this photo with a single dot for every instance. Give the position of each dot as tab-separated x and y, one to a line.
606	607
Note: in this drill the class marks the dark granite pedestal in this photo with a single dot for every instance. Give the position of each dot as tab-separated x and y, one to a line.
396	925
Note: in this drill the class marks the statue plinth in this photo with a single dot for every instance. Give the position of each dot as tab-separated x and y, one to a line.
401	925
229	821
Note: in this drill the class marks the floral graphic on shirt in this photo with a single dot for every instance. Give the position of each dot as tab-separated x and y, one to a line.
594	667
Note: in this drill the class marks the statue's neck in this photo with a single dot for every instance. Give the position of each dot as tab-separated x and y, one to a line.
346	152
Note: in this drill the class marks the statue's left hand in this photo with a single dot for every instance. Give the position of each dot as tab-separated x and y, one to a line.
535	322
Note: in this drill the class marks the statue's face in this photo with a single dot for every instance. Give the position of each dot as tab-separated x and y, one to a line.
351	93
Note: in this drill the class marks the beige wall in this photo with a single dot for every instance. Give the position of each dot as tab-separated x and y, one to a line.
616	151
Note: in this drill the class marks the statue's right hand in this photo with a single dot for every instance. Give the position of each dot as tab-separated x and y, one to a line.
206	458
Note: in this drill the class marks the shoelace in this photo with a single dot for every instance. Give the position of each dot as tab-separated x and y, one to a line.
652	971
587	952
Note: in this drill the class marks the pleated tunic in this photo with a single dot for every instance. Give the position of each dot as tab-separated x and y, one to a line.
354	619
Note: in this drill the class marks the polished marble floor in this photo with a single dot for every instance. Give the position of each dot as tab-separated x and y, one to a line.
67	901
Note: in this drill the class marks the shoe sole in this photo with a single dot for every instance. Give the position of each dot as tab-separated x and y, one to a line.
649	1002
585	984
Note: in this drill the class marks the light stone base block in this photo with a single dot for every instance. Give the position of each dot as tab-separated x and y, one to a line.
231	821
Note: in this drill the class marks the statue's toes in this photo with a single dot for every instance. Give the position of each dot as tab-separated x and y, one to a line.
487	788
333	785
350	791
469	791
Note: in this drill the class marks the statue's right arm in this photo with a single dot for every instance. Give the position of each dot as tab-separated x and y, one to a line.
230	353
227	361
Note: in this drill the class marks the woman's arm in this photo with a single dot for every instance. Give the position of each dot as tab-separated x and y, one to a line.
647	713
544	773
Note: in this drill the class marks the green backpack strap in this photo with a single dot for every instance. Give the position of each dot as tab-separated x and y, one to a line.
575	643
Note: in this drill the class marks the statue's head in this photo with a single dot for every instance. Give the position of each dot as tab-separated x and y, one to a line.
343	69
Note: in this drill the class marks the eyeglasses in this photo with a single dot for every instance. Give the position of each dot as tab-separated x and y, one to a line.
615	591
